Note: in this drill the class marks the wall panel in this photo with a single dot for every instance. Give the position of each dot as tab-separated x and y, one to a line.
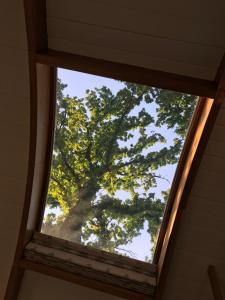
143	35
14	130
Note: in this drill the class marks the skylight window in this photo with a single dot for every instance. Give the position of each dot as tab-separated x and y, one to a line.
115	153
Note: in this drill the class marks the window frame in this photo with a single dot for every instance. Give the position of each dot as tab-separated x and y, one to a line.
42	64
193	137
202	103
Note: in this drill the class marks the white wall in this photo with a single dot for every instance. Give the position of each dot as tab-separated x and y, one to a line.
14	129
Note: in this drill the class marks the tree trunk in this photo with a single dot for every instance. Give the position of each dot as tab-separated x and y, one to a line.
71	228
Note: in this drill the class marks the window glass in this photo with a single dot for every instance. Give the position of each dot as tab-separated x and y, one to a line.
116	148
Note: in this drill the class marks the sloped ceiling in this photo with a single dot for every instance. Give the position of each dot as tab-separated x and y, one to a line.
185	38
14	129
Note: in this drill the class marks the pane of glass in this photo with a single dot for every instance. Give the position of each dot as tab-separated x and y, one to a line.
115	152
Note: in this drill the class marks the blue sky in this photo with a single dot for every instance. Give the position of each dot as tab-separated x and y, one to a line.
77	84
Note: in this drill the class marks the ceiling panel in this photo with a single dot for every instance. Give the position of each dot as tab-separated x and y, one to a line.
159	24
164	36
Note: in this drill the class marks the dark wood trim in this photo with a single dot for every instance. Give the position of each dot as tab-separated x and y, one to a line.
90	283
215	285
217	103
183	172
46	85
36	25
35	18
169	239
94	254
220	70
164	253
178	174
220	97
16	274
50	142
128	73
14	282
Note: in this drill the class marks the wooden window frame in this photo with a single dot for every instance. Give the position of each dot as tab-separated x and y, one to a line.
92	267
42	69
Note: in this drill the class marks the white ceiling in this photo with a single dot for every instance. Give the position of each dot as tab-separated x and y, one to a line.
183	37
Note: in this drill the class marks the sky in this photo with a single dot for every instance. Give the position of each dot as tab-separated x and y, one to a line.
77	84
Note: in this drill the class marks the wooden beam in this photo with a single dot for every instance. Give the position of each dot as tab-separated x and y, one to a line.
36	25
95	254
128	73
35	17
215	285
220	70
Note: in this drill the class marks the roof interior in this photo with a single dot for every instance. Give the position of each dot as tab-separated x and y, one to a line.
149	39
146	35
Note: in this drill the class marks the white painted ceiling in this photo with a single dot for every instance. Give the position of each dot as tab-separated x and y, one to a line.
184	37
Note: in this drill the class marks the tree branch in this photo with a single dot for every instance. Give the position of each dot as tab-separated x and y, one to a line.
131	253
126	164
59	183
71	170
117	129
89	148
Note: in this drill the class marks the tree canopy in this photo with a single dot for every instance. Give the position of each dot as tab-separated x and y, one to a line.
105	143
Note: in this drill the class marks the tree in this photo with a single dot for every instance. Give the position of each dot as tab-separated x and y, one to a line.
105	143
